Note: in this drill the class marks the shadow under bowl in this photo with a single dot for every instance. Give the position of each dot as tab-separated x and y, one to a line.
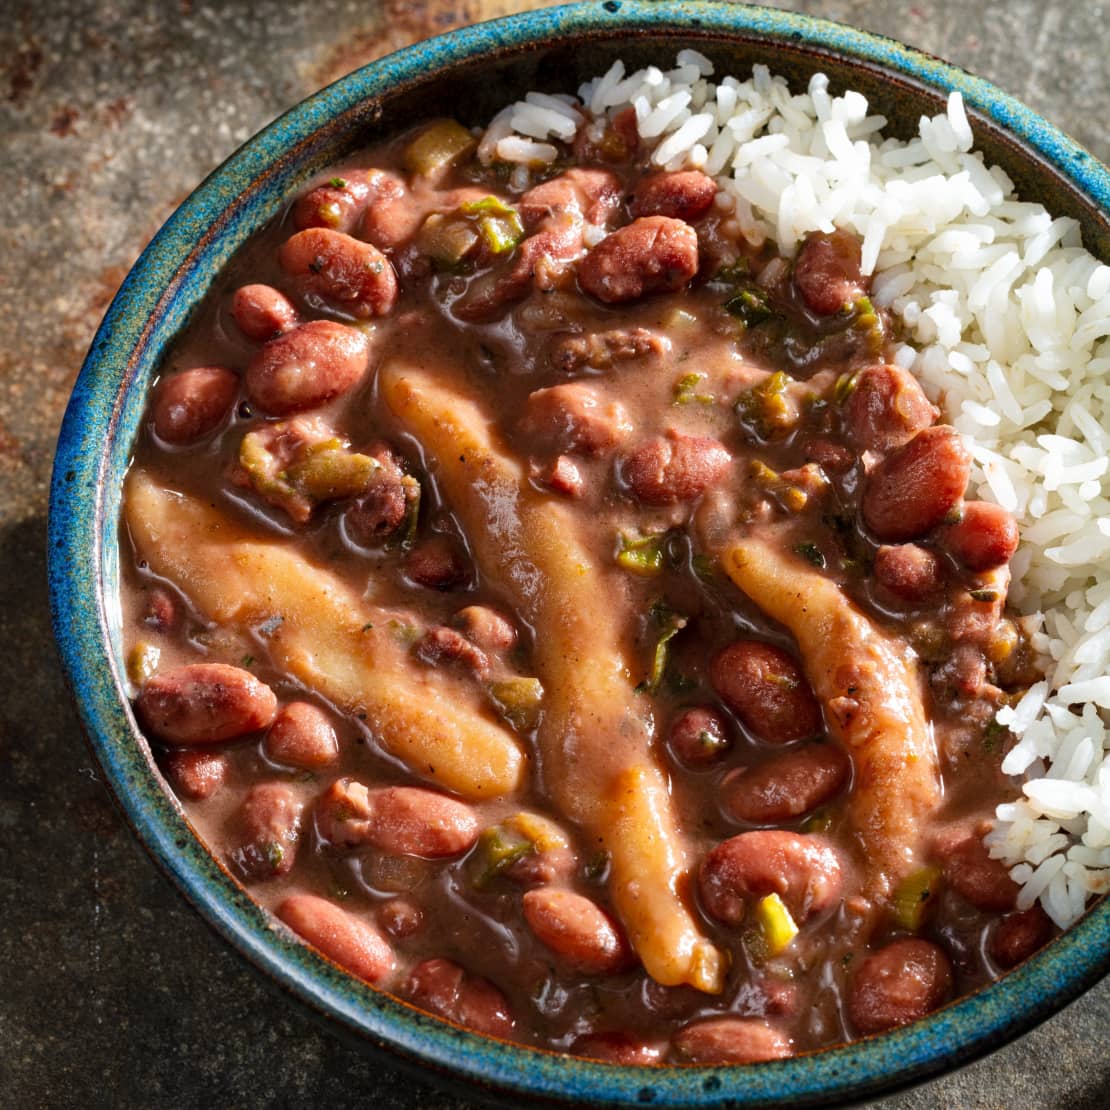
472	73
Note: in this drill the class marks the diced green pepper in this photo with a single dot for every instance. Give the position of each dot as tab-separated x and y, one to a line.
641	554
498	849
811	553
498	223
869	322
912	896
686	390
519	699
446	240
766	407
438	147
791	496
670	624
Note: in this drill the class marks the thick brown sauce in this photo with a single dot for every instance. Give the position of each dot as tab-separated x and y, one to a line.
802	992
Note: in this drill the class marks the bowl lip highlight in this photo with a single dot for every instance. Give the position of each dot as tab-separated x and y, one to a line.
82	524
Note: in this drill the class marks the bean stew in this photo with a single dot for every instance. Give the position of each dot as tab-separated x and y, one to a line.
567	617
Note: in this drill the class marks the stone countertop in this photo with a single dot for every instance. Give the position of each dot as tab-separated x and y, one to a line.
112	990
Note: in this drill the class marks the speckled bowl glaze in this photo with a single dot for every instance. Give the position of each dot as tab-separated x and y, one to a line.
476	71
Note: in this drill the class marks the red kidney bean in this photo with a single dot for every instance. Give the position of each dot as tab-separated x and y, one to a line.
686	196
445	645
675	467
886	408
561	476
401	917
910	572
804	871
588	191
574	418
306	367
204	703
437	564
651	255
985	536
617	1048
400	820
302	736
698	736
766	689
379	512
580	933
335	204
262	312
1018	935
390	219
731	1040
787	785
917	485
444	988
827	272
345	939
161	609
353	275
832	458
486	627
195	774
900	983
270	822
193	404
970	870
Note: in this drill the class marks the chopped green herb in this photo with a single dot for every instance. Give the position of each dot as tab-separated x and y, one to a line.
869	322
847	958
519	699
247	660
498	849
641	554
811	553
366	627
498	223
991	734
275	853
734	273
338	183
749	306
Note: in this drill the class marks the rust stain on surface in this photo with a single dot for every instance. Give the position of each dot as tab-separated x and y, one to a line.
22	69
64	119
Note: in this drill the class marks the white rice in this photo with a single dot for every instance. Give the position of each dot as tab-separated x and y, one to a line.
1007	319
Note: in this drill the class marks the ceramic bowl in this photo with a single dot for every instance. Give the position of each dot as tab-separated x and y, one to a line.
482	68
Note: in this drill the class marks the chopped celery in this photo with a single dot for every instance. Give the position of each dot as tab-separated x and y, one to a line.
912	897
327	471
446	240
438	147
775	925
641	554
142	661
518	699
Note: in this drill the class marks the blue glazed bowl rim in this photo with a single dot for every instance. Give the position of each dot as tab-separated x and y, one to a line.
82	615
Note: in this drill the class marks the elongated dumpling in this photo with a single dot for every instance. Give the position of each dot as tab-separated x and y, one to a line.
870	689
596	732
322	632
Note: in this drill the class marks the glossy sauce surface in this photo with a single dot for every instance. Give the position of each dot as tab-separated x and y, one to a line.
677	825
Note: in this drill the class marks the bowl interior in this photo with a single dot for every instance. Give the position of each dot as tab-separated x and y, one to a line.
472	74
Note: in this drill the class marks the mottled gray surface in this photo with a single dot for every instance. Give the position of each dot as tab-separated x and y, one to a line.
112	991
